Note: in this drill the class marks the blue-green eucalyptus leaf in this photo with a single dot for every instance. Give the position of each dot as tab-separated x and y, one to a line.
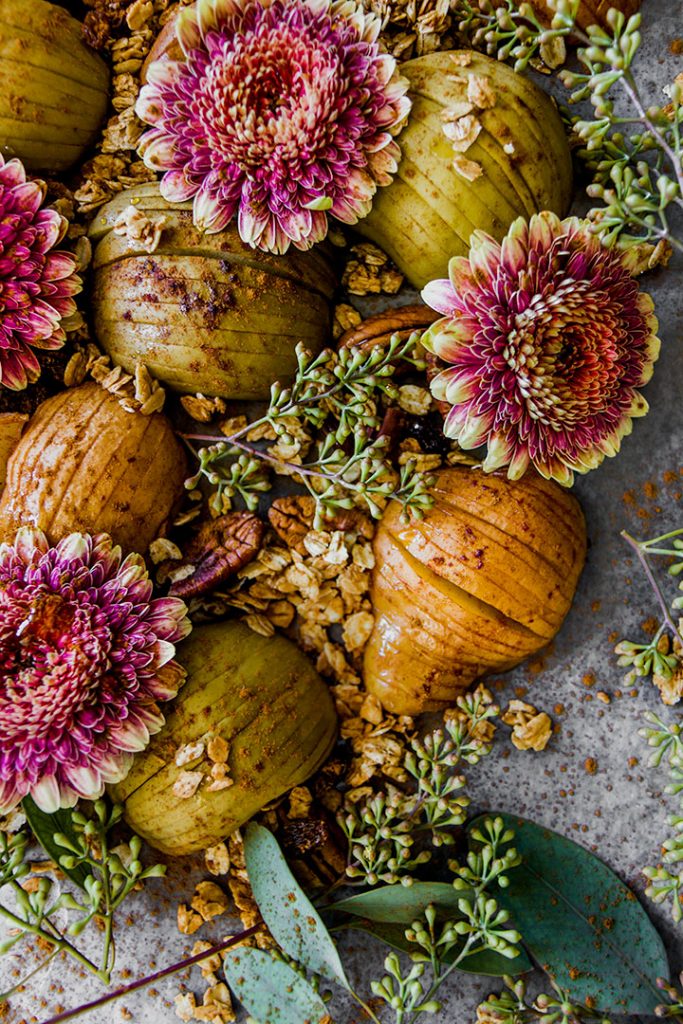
292	919
45	826
579	921
271	990
398	904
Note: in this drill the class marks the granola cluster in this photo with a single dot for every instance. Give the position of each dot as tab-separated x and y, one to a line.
531	729
369	271
216	1006
461	126
411	28
126	32
138	392
204	763
140	231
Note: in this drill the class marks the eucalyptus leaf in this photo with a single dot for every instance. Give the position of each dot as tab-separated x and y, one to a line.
398	904
292	919
44	826
581	923
271	990
487	962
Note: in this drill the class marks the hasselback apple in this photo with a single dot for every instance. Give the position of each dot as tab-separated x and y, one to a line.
261	701
85	464
53	88
205	313
479	584
505	136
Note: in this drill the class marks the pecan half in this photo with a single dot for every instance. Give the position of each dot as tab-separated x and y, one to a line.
378	329
164	47
221	547
292	519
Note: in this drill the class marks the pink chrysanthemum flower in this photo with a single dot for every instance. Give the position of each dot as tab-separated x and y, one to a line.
37	284
548	339
281	112
85	656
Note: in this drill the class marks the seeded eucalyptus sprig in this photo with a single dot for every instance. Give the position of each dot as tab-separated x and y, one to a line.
513	1006
634	154
383	830
509	30
665	880
443	945
660	657
104	875
332	413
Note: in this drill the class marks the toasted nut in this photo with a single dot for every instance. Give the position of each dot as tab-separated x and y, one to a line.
378	329
218	551
292	519
217	859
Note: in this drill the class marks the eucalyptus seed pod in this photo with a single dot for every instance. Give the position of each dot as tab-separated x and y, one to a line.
253	720
482	146
53	88
590	12
205	313
85	464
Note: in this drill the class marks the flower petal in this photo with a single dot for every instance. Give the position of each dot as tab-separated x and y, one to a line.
440	295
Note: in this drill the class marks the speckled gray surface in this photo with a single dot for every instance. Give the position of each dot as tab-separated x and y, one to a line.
620	811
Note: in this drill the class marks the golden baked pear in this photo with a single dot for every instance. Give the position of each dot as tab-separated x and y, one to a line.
478	585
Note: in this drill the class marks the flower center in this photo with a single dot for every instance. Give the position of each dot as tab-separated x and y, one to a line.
267	94
48	621
48	646
563	350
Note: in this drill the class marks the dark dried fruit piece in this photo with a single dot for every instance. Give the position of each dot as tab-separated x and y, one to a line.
302	835
292	518
428	432
218	551
315	847
101	21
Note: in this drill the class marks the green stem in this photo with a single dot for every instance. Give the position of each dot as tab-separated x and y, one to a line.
642	558
360	1002
657	540
61	943
108	952
628	82
4	996
436	985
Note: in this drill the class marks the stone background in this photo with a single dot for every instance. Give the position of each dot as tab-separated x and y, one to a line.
620	811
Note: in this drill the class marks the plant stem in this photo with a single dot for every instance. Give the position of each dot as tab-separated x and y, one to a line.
647	544
150	978
61	944
4	996
360	1002
642	558
628	82
464	952
258	453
